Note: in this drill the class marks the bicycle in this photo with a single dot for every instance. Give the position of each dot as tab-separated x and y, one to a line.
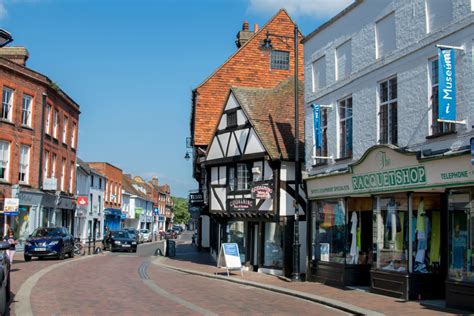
78	247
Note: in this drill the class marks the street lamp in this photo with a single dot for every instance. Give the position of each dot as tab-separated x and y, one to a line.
5	38
187	156
267	44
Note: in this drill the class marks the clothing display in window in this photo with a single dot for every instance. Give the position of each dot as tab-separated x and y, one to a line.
435	237
354	251
339	215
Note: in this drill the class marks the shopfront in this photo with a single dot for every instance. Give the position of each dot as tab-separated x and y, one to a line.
113	218
397	221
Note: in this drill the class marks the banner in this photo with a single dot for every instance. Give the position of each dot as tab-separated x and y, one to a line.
317	126
446	85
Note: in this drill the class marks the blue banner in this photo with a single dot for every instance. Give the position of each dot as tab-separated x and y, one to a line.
317	126
446	85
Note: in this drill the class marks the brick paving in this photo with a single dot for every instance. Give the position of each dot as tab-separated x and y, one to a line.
187	257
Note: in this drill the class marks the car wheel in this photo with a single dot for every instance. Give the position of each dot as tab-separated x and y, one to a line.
61	254
27	258
71	254
3	301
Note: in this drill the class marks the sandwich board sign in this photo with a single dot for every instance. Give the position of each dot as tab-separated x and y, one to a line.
229	258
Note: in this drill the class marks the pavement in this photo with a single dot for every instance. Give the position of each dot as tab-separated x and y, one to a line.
356	301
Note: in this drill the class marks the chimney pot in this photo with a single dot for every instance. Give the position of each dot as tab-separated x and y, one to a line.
255	28
245	26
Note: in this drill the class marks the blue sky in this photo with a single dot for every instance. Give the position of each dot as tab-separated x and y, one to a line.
131	65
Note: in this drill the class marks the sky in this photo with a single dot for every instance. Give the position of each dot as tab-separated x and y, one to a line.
132	65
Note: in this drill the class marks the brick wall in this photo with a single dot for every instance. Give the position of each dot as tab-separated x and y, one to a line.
113	183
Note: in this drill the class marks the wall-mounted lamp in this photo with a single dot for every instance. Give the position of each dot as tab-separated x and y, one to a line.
187	156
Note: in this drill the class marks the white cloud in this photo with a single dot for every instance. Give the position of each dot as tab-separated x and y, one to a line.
315	8
3	11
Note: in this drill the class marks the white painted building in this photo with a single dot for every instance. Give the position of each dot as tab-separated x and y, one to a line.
373	69
139	209
89	219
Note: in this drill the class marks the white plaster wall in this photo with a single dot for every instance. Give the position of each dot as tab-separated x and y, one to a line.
409	62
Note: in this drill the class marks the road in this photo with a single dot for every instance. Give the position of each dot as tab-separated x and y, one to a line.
127	284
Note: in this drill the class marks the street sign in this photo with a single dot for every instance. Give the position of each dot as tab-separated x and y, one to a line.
196	199
229	258
82	200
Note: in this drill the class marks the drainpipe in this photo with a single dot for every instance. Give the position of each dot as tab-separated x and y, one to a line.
40	173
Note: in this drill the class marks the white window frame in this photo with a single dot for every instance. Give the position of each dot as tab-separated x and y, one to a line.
71	178
55	123
65	126
24	164
63	174
26	110
46	164
48	119
5	158
53	165
73	136
7	105
324	142
389	103
340	123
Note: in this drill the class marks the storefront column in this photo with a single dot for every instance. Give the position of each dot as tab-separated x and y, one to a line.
410	232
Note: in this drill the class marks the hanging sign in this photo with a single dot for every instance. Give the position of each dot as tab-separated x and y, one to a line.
446	85
11	206
229	257
242	204
317	126
262	190
82	200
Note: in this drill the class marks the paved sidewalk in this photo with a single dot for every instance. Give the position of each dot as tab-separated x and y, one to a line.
188	258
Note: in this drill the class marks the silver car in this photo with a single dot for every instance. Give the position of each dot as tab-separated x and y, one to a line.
145	235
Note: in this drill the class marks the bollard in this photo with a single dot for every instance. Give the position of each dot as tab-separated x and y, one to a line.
93	240
89	247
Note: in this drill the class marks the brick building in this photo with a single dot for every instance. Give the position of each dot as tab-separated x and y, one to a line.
250	66
113	193
38	143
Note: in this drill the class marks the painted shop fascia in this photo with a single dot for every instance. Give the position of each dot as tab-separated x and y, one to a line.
383	168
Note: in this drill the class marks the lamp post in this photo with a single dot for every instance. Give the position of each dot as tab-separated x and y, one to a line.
267	44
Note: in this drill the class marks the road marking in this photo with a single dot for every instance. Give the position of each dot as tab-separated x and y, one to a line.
22	301
142	271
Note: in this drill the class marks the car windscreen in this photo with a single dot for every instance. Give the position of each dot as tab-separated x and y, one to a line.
121	234
47	232
144	231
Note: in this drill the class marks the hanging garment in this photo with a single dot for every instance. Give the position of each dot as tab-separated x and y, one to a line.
393	220
359	237
339	216
354	251
420	217
459	250
435	237
399	239
328	213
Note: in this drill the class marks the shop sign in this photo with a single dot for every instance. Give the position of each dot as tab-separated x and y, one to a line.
262	190
50	184
196	199
390	178
447	85
11	206
82	200
241	204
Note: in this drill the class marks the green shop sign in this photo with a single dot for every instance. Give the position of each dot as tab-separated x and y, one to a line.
390	178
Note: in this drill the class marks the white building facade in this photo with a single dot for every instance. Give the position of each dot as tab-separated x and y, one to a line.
390	186
89	219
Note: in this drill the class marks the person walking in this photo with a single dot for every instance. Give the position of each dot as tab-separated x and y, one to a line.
11	239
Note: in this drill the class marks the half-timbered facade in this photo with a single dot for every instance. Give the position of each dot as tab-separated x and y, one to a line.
250	177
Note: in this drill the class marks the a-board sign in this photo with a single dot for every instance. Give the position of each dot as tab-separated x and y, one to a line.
229	257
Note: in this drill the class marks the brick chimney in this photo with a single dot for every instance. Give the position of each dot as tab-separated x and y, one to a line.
17	55
154	181
244	35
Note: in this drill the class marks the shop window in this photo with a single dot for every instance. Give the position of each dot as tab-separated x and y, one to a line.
392	233
273	252
331	232
236	233
460	237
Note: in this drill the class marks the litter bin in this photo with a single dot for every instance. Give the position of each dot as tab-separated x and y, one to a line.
170	248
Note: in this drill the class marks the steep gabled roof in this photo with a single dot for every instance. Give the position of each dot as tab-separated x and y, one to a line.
128	186
271	113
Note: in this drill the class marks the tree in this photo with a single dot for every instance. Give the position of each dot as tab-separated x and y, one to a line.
180	210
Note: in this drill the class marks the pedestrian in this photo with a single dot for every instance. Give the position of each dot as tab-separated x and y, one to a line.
11	239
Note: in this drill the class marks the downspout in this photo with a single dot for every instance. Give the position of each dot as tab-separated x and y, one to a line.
40	173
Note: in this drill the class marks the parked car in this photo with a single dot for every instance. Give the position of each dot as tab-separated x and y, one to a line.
5	294
145	235
171	234
49	242
134	232
119	240
178	229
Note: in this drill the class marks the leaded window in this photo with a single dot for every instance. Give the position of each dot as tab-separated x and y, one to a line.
388	117
280	60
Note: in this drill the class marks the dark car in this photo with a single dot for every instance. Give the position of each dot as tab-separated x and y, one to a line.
119	240
5	294
49	242
134	232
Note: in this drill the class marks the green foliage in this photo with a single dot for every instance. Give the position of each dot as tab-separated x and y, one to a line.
180	210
